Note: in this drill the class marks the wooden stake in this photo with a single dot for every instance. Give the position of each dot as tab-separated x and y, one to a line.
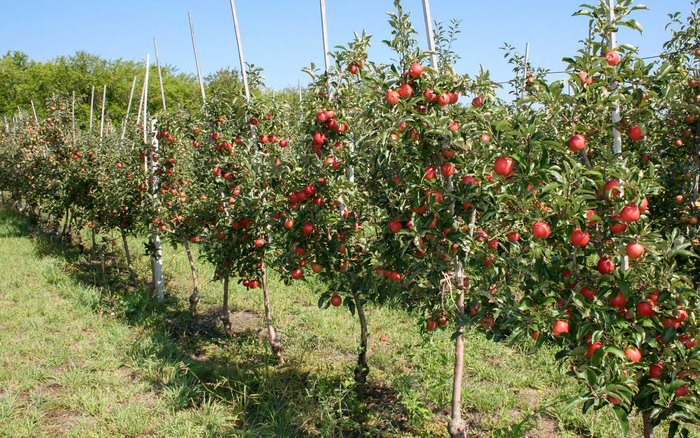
244	75
196	59
160	76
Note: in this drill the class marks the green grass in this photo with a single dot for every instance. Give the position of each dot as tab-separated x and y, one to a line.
84	352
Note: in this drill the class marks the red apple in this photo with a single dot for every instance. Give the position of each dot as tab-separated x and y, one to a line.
540	229
577	143
579	238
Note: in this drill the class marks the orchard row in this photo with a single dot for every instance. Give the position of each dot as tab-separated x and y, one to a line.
546	218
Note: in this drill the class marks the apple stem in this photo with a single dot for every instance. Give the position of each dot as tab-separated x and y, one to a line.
362	368
275	342
194	298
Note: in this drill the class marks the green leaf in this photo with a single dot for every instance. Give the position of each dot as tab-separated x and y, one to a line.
622	419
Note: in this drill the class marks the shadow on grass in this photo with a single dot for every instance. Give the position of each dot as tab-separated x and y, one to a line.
190	363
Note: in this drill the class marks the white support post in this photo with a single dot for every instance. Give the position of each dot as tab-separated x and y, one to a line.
36	119
326	58
72	113
301	106
429	33
244	74
92	101
158	248
128	109
102	119
617	136
160	75
145	99
196	59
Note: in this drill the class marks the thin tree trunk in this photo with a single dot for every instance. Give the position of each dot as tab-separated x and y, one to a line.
194	298
275	342
362	368
457	427
225	315
65	223
132	272
648	428
81	244
94	243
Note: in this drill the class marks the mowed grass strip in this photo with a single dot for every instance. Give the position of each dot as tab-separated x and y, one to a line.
85	353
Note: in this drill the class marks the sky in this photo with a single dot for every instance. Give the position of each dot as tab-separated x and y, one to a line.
284	36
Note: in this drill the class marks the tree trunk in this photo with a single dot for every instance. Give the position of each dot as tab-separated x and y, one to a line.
362	369
275	342
132	272
648	428
94	243
65	223
225	315
457	427
194	298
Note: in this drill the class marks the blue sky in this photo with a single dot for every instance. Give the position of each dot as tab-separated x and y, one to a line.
284	36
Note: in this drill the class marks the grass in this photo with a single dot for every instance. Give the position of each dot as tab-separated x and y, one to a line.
84	352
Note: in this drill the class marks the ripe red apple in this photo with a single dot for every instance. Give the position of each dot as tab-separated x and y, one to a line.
392	97
635	133
645	309
336	300
588	293
618	227
579	238
513	236
619	300
415	70
643	205
395	226
503	166
296	274
259	242
316	267
612	57
611	188
478	101
592	348
605	266
447	169
560	327
288	223
307	228
630	213
682	391
634	250
432	325
577	143
443	99
656	370
633	354
540	229
405	91
429	172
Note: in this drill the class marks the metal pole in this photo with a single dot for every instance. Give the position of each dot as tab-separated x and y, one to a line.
244	75
196	58
92	101
102	121
429	33
160	76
